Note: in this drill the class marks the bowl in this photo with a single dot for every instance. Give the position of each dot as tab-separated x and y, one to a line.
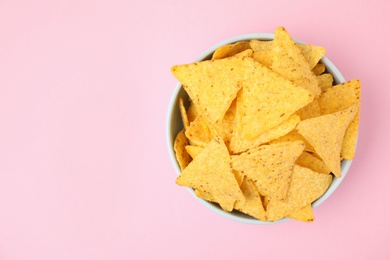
174	125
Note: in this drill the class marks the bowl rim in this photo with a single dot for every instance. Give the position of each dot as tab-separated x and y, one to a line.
238	216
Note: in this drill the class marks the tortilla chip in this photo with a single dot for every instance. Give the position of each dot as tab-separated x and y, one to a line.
261	103
230	50
326	134
306	186
182	157
239	144
338	98
246	53
318	69
294	136
192	112
288	61
325	81
269	167
310	161
199	133
312	109
252	204
193	150
305	214
313	54
260	46
263	57
183	113
210	172
211	84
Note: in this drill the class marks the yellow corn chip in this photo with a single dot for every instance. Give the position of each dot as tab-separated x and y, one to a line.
259	46
230	50
294	136
252	204
199	133
318	69
246	53
193	150
182	157
313	54
312	162
192	112
261	103
310	110
338	98
263	57
183	113
224	128
288	61
210	172
269	167
306	186
305	214
325	81
326	134
239	144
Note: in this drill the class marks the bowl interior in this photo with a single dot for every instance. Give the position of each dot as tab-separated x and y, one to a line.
174	125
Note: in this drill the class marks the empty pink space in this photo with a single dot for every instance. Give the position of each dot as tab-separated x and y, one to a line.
84	94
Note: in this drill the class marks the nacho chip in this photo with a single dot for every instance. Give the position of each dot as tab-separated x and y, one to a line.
224	128
210	172
260	46
305	214
199	133
325	81
182	157
306	186
193	150
318	69
252	204
261	103
246	53
230	50
294	136
211	85
310	161
239	144
326	134
263	57
339	98
312	109
192	112
288	61
313	54
183	113
269	167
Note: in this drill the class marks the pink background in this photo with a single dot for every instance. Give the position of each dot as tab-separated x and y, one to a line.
84	168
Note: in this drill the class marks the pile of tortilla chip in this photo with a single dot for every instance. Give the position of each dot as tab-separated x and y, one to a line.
266	129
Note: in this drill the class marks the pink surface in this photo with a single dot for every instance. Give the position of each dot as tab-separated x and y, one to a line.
84	168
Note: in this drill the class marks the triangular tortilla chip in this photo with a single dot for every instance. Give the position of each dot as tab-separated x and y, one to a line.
182	156
340	97
193	150
212	84
269	167
210	172
305	214
294	136
325	81
288	61
306	186
183	113
313	54
229	50
261	103
239	144
326	134
252	204
310	161
199	133
318	69
310	110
